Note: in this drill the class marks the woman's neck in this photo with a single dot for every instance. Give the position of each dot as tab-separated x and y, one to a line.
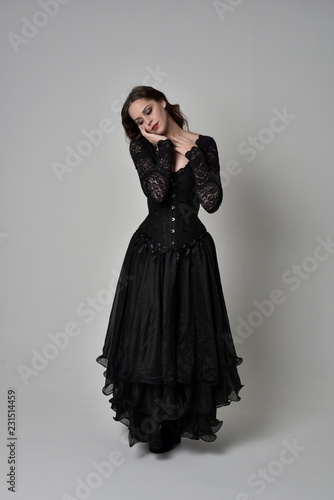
173	128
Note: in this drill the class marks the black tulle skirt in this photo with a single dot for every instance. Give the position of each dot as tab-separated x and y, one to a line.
168	352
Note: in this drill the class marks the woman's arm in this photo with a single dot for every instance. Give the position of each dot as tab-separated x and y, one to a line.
206	169
154	175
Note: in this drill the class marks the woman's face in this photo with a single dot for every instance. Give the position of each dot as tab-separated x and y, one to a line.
151	114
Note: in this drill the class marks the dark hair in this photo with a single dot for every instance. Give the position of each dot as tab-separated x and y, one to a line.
144	92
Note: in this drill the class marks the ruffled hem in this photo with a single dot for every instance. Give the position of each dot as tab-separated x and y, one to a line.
169	353
143	407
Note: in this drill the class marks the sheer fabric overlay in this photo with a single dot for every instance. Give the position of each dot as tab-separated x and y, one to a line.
169	353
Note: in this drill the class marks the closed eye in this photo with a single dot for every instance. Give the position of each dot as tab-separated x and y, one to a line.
148	112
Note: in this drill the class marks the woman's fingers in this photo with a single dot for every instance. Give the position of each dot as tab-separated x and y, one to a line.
182	144
153	138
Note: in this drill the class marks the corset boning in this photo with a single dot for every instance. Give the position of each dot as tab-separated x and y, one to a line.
174	223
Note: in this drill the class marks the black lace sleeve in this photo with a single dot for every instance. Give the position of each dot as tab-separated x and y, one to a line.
205	165
154	172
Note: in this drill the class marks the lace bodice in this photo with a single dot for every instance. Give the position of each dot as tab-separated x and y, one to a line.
174	198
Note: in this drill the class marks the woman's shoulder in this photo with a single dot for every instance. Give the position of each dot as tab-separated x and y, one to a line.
205	140
195	136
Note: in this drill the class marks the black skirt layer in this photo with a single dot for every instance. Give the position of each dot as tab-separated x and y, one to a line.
169	353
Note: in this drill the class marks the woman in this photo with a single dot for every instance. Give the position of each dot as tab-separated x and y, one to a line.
169	355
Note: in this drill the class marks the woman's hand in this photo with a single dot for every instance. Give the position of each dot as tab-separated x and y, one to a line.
182	144
153	138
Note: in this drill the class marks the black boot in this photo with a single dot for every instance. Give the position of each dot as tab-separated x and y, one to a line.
166	440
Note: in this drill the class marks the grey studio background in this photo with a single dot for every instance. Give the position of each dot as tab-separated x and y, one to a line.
258	77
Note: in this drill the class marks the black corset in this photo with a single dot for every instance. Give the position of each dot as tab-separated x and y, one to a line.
174	198
174	222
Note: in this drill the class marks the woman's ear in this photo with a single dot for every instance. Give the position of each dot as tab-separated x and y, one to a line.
164	103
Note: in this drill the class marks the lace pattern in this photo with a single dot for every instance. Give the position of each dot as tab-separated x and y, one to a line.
155	168
174	198
206	169
154	173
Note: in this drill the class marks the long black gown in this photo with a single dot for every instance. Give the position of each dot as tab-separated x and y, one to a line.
168	352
